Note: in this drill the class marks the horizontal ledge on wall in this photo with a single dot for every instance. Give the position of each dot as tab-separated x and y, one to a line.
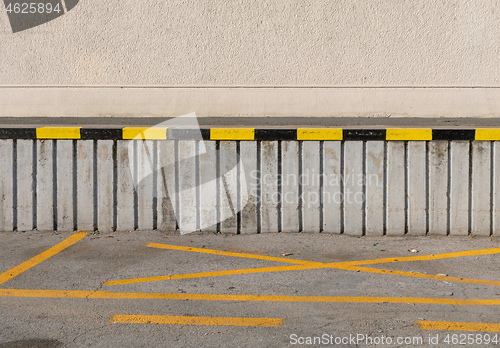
263	101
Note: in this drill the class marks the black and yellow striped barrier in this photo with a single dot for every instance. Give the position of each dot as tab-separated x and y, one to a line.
269	134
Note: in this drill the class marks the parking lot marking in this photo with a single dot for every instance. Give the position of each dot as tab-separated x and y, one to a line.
23	267
227	253
192	320
89	294
310	265
458	326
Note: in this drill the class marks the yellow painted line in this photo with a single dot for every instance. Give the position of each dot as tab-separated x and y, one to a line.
232	134
206	274
191	320
319	134
488	134
408	134
88	294
23	267
421	275
458	326
306	265
58	133
227	253
147	133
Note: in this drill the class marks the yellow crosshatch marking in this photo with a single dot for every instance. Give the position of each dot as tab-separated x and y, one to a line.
309	265
270	322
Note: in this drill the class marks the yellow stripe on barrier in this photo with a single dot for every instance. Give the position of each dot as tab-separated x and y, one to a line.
58	133
146	133
192	320
488	134
458	326
232	134
319	134
409	134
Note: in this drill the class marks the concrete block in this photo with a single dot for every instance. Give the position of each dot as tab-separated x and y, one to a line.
290	186
65	186
125	187
269	186
85	185
6	186
374	188
228	187
417	188
332	191
188	210
353	188
459	188
25	186
248	155
45	185
105	175
481	188
166	186
396	195
144	183
311	186
208	187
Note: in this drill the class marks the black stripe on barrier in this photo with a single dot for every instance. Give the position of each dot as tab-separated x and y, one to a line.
453	134
17	133
364	134
188	133
101	133
275	134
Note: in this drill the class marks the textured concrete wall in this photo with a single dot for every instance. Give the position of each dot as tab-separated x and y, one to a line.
242	42
255	43
350	187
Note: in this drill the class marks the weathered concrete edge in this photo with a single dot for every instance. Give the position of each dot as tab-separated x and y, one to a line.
124	101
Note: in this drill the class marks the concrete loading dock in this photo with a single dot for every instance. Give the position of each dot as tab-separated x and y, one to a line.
383	181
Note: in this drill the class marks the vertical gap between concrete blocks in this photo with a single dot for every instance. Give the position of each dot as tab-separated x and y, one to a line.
54	184
342	188
363	206
321	184
115	185
135	184
280	188
95	193
427	183
259	187
384	204
448	193
155	184
471	159
34	183
75	186
218	182
197	182
176	184
301	203
406	173
238	188
14	184
492	187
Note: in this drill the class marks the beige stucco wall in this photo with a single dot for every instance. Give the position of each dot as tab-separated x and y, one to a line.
332	43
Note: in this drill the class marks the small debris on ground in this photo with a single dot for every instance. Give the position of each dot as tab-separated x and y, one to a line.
413	251
287	254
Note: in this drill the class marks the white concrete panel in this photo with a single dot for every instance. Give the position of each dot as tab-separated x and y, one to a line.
45	186
6	186
481	190
166	180
290	186
145	163
375	188
125	187
85	185
24	185
438	187
105	185
395	220
187	186
459	188
248	155
353	188
228	187
269	186
311	186
332	193
417	182
208	187
65	177
496	188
